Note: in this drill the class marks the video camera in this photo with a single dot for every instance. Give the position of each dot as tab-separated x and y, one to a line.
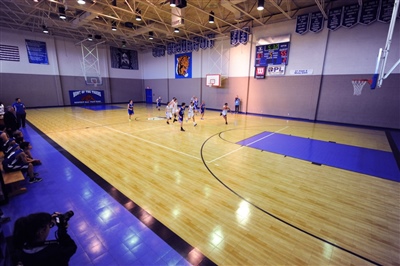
62	219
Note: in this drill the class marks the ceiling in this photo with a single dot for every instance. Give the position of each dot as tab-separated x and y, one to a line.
96	17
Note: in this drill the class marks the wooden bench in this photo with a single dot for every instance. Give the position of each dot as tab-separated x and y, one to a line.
12	180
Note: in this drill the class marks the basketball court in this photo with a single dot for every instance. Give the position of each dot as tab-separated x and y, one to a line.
259	189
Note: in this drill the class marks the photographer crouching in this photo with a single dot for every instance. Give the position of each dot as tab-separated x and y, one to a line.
30	244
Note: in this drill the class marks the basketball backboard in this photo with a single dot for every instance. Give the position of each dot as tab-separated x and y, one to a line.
213	80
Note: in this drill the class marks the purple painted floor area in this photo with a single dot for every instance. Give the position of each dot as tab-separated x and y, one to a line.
361	160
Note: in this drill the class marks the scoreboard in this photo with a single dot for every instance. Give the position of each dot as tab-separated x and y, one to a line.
272	54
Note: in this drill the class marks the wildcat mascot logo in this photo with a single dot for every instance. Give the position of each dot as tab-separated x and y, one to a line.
183	65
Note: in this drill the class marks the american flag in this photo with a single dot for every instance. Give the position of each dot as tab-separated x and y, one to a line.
9	53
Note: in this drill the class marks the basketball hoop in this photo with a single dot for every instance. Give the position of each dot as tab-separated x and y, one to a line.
358	85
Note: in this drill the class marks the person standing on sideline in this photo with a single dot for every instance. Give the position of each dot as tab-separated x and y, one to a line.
202	109
168	112
19	108
237	104
10	121
158	103
224	112
130	110
1	110
181	113
191	111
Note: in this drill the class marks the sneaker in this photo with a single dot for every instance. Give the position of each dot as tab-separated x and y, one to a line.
167	122
182	129
226	123
37	180
195	124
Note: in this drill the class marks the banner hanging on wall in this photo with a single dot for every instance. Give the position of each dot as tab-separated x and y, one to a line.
183	65
79	97
37	52
124	58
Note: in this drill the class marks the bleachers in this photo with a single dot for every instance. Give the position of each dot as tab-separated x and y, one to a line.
12	181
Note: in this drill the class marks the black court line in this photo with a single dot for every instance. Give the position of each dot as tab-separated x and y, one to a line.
394	147
276	217
162	231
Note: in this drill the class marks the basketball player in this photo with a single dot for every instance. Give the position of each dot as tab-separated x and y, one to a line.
168	113
224	112
158	103
130	109
196	105
202	109
191	113
174	104
181	113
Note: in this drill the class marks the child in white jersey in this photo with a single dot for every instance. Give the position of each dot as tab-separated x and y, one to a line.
168	112
191	113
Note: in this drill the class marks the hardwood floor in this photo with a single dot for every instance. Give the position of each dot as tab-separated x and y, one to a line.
239	205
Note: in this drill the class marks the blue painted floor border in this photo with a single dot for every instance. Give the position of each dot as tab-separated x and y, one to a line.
105	225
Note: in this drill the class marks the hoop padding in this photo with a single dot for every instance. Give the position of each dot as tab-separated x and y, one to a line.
358	85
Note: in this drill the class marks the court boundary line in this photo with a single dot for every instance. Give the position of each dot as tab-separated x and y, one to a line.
276	217
244	146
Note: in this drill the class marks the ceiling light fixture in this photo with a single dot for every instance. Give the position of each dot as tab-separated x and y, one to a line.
260	5
138	12
114	26
81	2
176	30
123	44
45	29
151	35
61	11
211	17
172	3
36	1
90	37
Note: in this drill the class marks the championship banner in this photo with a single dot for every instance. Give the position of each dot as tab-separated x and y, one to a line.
335	18
386	10
37	52
316	22
302	22
183	66
350	15
79	97
124	58
369	12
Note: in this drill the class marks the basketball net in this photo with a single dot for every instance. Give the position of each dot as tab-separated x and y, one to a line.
358	85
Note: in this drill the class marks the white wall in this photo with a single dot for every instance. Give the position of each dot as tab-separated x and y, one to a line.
23	66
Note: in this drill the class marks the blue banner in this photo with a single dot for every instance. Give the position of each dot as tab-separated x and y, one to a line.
78	97
350	15
316	22
37	52
183	66
369	12
335	18
302	23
